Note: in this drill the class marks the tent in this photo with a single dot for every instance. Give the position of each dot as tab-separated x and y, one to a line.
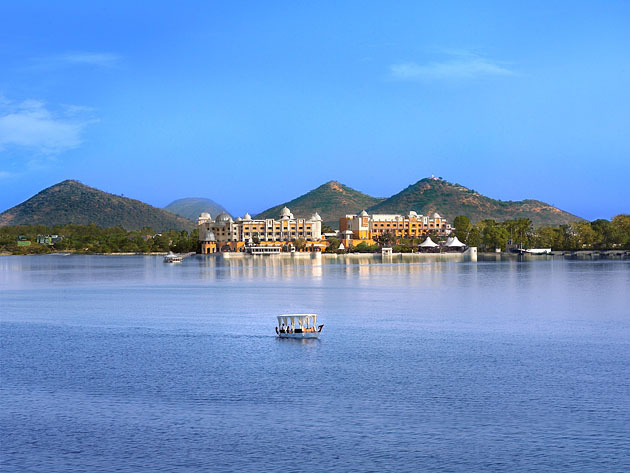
454	243
428	243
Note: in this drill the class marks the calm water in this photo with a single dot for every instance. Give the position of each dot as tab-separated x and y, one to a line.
129	364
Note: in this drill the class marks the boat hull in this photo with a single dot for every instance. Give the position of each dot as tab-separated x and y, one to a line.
300	336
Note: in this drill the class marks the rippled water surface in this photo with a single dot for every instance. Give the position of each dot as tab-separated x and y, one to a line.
129	364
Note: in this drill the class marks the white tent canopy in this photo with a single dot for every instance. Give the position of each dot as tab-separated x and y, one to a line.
428	243
454	243
301	320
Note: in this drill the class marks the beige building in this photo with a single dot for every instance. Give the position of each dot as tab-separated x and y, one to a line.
365	227
224	233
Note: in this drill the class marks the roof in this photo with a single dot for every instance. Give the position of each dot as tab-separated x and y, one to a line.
428	243
224	217
454	243
299	318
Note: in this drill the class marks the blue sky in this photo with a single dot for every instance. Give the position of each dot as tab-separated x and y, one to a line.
254	103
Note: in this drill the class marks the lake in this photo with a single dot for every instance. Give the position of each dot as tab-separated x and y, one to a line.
124	363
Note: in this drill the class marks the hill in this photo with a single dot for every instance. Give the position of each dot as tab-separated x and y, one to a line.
192	207
450	200
331	200
71	202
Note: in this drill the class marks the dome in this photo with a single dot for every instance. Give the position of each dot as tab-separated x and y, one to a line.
239	219
316	217
286	213
413	214
205	215
436	215
247	216
209	236
224	218
363	214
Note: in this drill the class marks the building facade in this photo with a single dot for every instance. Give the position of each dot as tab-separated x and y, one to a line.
354	229
226	234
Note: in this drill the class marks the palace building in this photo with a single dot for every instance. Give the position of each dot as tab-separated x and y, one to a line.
226	234
354	229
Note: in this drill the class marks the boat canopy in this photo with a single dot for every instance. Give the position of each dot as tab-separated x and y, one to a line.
301	320
428	243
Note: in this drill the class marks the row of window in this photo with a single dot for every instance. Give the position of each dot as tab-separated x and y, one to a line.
247	234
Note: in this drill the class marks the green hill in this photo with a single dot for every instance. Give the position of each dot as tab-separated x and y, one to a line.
450	200
331	200
71	202
192	207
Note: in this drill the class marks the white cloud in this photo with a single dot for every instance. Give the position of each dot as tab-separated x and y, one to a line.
461	66
94	59
85	58
32	125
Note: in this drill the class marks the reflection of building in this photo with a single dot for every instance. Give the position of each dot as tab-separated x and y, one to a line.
226	234
365	227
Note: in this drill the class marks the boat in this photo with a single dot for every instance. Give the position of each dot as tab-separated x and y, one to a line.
173	258
538	251
301	326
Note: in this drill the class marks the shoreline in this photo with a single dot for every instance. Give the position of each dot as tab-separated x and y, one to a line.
470	255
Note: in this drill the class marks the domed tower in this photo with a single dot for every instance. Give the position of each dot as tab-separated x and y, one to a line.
316	226
205	217
285	214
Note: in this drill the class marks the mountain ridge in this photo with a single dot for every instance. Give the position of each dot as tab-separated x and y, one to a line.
331	200
450	200
192	207
72	202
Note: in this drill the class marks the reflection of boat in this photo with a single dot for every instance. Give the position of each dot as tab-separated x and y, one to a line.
173	258
298	326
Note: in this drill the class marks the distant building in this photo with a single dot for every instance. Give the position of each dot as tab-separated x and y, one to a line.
23	241
354	229
48	239
226	234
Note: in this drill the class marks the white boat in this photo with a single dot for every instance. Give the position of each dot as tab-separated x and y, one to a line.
173	258
538	251
301	326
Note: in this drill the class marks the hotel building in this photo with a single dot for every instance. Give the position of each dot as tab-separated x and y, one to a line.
355	229
226	234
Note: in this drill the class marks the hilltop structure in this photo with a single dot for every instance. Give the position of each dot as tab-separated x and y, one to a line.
226	234
354	229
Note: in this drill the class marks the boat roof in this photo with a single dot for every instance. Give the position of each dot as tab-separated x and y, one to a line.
295	317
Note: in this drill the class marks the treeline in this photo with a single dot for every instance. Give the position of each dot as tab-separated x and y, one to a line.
95	239
599	234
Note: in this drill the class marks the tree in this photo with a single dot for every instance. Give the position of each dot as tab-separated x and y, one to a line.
333	245
494	235
520	230
462	227
622	224
608	235
299	244
583	234
474	237
385	239
363	247
547	237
